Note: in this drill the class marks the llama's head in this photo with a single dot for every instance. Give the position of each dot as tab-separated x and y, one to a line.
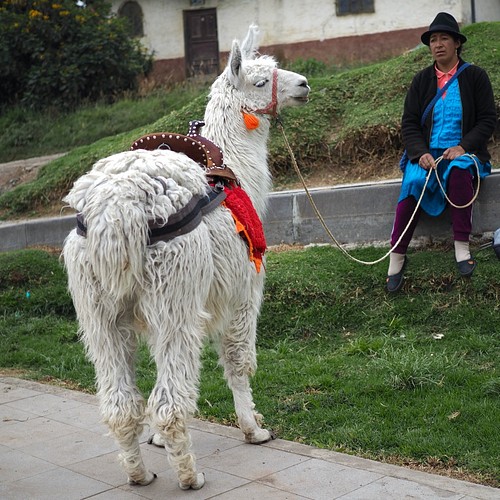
261	86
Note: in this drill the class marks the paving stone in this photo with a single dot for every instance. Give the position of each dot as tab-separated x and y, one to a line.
52	446
320	480
15	465
52	485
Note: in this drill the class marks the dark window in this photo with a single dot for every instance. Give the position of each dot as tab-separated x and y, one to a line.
346	7
133	12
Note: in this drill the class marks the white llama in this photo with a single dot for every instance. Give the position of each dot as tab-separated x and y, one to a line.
176	293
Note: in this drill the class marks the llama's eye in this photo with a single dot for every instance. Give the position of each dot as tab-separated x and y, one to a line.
261	83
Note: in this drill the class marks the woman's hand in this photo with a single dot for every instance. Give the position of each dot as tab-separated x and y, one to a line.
454	152
426	161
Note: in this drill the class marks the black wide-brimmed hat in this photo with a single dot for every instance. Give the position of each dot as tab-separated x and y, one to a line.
443	23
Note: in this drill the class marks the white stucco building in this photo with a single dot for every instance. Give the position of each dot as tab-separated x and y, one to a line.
189	37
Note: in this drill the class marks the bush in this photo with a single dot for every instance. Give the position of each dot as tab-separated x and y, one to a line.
60	52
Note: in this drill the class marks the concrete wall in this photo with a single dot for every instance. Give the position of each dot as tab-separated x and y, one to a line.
364	213
355	214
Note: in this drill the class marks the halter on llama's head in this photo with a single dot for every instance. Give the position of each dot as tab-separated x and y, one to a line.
258	84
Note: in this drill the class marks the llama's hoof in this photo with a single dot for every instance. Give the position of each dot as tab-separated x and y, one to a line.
156	440
260	437
150	477
198	484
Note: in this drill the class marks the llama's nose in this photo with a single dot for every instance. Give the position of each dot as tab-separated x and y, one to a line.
305	84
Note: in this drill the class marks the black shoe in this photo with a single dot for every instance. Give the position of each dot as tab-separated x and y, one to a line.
466	267
394	282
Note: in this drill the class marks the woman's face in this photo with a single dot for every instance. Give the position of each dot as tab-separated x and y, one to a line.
443	48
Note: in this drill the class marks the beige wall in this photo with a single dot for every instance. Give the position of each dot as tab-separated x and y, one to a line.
303	28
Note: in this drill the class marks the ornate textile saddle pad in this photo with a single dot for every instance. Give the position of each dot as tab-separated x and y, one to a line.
248	223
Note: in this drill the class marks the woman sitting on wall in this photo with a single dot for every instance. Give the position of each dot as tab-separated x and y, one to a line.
459	124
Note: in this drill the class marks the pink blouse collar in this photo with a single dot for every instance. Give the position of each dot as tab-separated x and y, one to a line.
444	77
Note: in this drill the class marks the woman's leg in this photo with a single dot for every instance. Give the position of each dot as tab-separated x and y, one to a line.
404	212
460	192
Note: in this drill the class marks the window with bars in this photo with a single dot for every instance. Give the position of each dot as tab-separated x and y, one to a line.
348	7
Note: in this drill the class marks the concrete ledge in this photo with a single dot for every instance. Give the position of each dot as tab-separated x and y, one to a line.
47	231
364	213
354	213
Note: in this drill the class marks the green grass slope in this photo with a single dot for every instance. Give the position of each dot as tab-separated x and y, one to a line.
352	116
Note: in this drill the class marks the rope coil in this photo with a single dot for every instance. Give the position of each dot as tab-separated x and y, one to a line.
427	178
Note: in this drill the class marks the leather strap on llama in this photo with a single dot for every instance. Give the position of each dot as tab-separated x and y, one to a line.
179	223
272	107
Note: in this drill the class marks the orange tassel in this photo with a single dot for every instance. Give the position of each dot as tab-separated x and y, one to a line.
251	121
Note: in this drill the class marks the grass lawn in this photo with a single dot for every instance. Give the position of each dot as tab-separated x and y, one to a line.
411	379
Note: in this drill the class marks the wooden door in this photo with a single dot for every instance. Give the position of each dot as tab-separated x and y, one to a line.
201	43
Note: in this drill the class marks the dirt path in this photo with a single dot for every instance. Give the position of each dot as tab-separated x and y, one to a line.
21	171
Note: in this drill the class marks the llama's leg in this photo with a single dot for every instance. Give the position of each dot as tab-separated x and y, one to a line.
112	349
176	317
107	330
238	357
173	400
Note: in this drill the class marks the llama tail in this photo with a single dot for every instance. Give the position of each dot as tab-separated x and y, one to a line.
116	243
114	223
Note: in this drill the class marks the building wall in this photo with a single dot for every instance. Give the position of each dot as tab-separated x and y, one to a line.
481	10
292	29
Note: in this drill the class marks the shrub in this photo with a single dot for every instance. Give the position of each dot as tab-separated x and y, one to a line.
60	52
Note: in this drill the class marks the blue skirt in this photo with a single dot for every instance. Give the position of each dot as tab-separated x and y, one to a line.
433	201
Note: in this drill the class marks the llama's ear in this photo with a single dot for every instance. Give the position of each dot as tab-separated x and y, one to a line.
251	42
235	59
